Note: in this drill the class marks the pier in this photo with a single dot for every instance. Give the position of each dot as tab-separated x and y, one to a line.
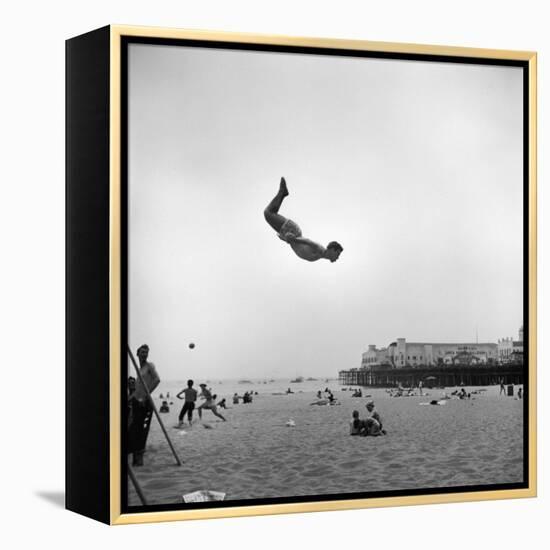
440	376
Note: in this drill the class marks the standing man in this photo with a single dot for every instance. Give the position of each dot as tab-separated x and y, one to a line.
190	394
141	406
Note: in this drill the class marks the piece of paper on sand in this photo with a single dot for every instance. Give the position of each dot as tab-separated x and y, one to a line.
203	496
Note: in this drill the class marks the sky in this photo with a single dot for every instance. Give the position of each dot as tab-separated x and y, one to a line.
414	167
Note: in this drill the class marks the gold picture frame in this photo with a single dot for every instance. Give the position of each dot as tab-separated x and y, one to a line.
111	43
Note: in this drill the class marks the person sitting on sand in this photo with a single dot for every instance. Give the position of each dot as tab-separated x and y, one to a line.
222	404
290	232
236	399
356	426
190	394
209	403
375	426
164	408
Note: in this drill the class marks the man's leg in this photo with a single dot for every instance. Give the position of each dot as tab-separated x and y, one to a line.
199	410
216	413
190	413
134	430
141	411
182	413
271	213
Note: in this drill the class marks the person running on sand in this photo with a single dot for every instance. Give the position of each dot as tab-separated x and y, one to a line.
209	403
190	394
290	232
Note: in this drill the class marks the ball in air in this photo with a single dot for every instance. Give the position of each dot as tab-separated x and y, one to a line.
191	345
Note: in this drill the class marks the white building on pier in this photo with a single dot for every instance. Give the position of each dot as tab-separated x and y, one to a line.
410	354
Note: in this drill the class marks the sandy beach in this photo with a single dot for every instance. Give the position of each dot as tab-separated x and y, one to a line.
254	455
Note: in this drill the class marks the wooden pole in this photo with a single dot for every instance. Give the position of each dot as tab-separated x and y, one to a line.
136	485
178	461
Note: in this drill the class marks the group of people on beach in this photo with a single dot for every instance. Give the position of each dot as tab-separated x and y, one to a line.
246	397
191	395
372	425
326	399
140	406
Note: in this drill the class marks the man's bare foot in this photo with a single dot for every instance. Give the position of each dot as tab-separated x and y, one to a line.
283	188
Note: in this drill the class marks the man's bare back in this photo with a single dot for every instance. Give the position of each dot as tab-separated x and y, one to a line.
290	232
305	248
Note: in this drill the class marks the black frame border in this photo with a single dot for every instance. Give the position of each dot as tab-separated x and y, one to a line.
126	41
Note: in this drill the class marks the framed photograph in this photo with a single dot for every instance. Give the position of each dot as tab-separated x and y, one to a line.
301	274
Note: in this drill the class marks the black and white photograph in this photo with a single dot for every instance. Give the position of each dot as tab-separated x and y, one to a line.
274	274
326	275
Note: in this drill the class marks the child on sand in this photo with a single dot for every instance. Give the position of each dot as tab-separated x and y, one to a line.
369	426
290	232
209	403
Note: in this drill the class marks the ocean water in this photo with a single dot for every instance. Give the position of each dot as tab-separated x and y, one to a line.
227	388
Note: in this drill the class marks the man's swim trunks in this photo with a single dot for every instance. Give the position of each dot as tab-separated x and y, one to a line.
290	227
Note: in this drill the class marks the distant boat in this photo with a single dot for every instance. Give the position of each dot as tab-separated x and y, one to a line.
245	382
297	380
